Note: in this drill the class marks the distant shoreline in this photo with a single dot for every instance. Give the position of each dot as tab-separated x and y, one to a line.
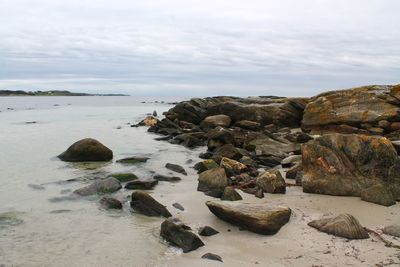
50	93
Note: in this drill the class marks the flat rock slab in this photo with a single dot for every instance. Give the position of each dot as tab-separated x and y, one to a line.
166	178
261	219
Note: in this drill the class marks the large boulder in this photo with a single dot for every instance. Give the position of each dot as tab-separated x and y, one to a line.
143	203
256	218
103	186
213	182
362	107
346	165
232	166
216	120
87	149
343	225
180	235
271	181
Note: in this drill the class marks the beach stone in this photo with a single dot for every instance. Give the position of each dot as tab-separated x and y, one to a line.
232	166
343	225
205	165
248	125
86	150
178	206
141	185
133	160
149	121
231	194
218	137
207	231
216	120
103	186
110	203
378	194
214	180
271	181
262	219
176	168
165	178
227	151
212	256
178	234
291	161
124	177
298	137
393	230
346	165
292	172
143	203
259	193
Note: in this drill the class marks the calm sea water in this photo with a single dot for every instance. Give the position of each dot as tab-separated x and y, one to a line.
44	229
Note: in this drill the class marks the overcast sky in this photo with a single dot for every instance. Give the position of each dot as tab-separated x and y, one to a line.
205	47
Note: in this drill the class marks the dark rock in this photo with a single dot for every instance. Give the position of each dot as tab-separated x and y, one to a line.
207	231
206	155
103	186
227	151
141	185
393	230
231	194
165	178
259	193
190	140
298	137
110	203
143	203
291	161
248	125
211	256
253	217
292	172
133	160
219	137
205	165
86	150
343	225
155	113
124	177
176	168
271	181
213	181
178	206
176	233
378	194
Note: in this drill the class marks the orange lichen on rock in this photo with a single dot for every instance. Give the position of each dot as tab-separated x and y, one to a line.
321	161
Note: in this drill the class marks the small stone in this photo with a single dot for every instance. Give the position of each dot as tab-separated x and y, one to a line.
165	178
211	256
132	160
176	168
111	203
178	206
207	231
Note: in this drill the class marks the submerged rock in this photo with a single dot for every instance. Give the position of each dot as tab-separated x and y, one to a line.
253	217
207	231
124	177
393	230
110	203
142	185
214	181
212	256
343	225
179	234
165	178
133	160
271	181
176	168
103	186
86	150
143	203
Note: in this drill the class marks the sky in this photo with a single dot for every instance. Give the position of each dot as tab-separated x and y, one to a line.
198	48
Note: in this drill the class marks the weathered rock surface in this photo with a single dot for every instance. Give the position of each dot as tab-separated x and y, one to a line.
378	194
178	234
347	165
178	206
343	225
176	168
253	217
143	203
205	165
87	150
232	166
231	194
271	181
213	181
393	230
207	231
103	186
291	161
149	121
110	203
216	120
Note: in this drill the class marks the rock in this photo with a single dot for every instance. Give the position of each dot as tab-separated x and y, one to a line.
216	120
395	126
165	178
256	218
190	140
346	165
211	256
291	161
376	131
124	177
10	219
218	137
86	150
231	194
110	203
292	172
232	167
133	160
178	234
207	231
248	125
143	203
298	137
155	113
378	194
259	193
393	230
227	151
175	168
103	186
178	206
213	180
271	181
141	185
396	145
205	165
149	121
384	124
343	225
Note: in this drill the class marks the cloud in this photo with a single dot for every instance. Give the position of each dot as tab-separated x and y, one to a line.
198	47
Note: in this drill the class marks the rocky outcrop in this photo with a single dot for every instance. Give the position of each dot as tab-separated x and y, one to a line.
256	218
143	203
87	150
103	186
344	225
271	181
180	235
346	165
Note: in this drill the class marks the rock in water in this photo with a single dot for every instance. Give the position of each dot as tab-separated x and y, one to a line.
256	218
86	150
271	181
111	203
348	164
231	194
212	256
143	203
393	230
165	178
343	225
175	168
142	185
213	181
207	231
148	121
205	165
133	160
104	186
178	206
124	177
178	234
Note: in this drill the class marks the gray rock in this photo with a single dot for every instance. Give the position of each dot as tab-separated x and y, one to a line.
110	203
143	203
103	186
87	150
178	206
393	230
176	168
231	194
141	185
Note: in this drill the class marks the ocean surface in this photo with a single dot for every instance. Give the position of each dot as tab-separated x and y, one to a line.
39	224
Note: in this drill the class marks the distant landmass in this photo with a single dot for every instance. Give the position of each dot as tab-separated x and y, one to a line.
49	93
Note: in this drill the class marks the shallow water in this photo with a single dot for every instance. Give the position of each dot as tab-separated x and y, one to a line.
41	226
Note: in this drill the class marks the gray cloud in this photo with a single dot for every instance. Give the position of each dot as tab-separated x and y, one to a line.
199	47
